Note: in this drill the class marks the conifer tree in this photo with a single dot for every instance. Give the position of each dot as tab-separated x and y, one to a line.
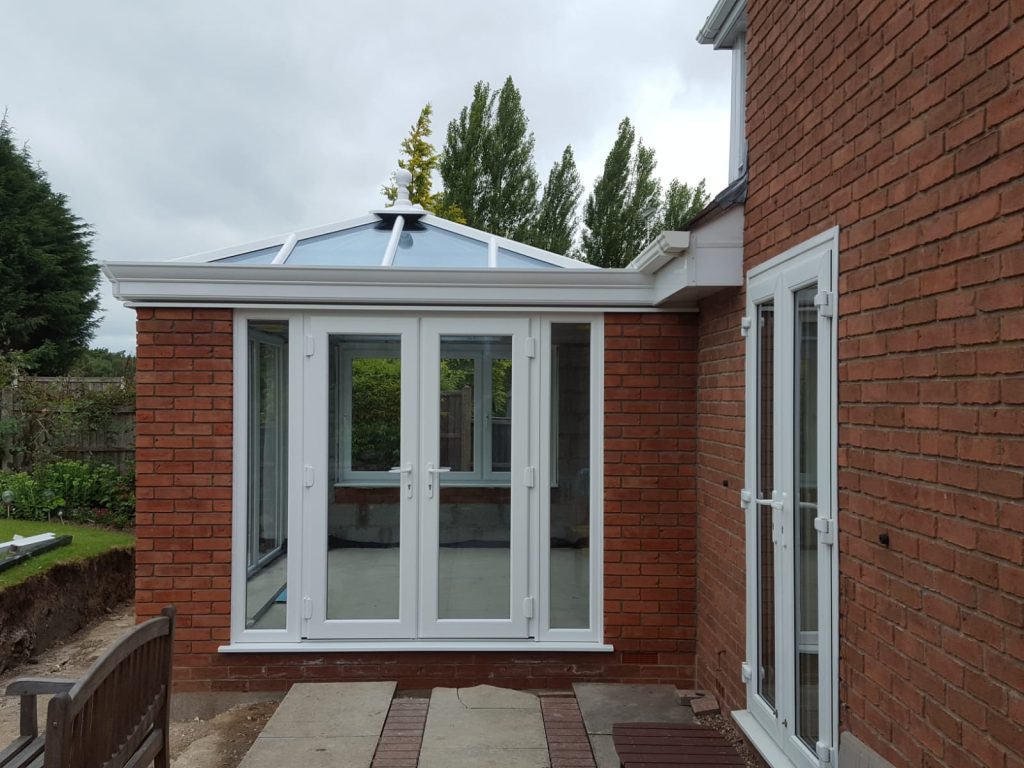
555	227
682	204
420	159
49	301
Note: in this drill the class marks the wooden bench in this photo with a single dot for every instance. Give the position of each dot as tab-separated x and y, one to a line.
666	745
116	716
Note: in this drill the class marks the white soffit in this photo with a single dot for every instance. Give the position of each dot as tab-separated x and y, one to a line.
726	22
689	265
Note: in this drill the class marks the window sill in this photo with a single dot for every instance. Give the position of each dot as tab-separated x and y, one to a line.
761	740
384	646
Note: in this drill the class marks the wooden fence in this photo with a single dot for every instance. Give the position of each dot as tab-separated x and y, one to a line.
30	422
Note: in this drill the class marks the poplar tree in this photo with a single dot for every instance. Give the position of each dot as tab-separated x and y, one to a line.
623	211
557	220
682	204
509	201
49	301
462	160
604	219
487	163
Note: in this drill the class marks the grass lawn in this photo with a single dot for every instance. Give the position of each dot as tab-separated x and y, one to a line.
88	540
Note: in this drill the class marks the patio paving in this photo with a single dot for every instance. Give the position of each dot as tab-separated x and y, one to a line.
604	704
359	725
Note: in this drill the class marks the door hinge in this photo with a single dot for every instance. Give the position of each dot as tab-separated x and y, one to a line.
531	347
528	607
826	530
308	476
307	608
745	497
745	673
825	302
310	346
824	753
745	324
530	477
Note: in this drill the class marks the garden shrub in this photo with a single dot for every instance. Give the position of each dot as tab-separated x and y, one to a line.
80	491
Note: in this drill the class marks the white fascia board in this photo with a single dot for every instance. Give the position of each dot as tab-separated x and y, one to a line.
725	22
509	245
665	247
713	260
152	282
267	242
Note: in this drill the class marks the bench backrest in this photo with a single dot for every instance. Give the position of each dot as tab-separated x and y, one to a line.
120	706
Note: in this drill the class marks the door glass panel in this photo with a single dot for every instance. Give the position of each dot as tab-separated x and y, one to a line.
765	484
364	494
569	547
267	505
805	545
474	507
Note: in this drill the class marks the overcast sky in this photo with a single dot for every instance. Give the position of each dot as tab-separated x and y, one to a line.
186	126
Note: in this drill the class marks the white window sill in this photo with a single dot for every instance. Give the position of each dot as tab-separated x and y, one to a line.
384	646
761	740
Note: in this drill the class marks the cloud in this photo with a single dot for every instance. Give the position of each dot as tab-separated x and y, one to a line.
182	127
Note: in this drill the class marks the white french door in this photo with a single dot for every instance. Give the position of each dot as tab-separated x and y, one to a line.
789	500
474	494
360	460
415	490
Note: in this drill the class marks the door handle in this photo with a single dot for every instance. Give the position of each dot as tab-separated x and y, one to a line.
432	473
406	478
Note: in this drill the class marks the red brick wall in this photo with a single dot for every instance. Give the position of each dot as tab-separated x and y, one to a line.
903	124
184	518
183	471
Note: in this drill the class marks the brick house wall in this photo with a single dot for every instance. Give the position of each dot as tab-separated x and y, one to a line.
184	518
903	124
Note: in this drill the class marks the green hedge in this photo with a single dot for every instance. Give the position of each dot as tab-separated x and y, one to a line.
80	491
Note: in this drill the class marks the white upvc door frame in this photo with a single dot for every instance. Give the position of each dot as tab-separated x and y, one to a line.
522	495
317	472
814	262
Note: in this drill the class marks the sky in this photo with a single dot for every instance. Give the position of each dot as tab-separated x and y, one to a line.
187	126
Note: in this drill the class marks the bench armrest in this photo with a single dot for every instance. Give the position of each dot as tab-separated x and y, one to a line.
39	686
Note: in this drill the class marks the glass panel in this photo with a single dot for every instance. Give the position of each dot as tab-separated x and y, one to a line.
361	246
569	550
262	256
474	513
458	422
501	414
765	484
512	260
364	497
267	504
433	247
805	547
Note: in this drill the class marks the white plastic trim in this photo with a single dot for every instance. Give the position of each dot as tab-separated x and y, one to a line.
342	646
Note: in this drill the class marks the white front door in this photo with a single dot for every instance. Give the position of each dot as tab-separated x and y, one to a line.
415	477
790	501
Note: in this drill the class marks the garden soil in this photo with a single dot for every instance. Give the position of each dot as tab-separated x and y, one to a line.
220	742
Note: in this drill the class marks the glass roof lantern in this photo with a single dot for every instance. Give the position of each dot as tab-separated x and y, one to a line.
402	236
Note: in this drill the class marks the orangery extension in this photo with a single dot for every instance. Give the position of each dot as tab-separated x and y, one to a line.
401	448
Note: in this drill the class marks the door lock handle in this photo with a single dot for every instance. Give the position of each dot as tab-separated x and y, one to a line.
406	480
432	473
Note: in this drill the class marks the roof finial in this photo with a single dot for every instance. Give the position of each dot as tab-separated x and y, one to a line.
402	181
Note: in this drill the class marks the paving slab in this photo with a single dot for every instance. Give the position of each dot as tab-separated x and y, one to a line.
604	704
322	725
483	726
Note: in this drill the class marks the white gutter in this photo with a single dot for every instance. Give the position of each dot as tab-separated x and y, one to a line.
663	248
726	19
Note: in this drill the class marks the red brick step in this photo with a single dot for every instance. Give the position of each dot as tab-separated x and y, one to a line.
666	745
